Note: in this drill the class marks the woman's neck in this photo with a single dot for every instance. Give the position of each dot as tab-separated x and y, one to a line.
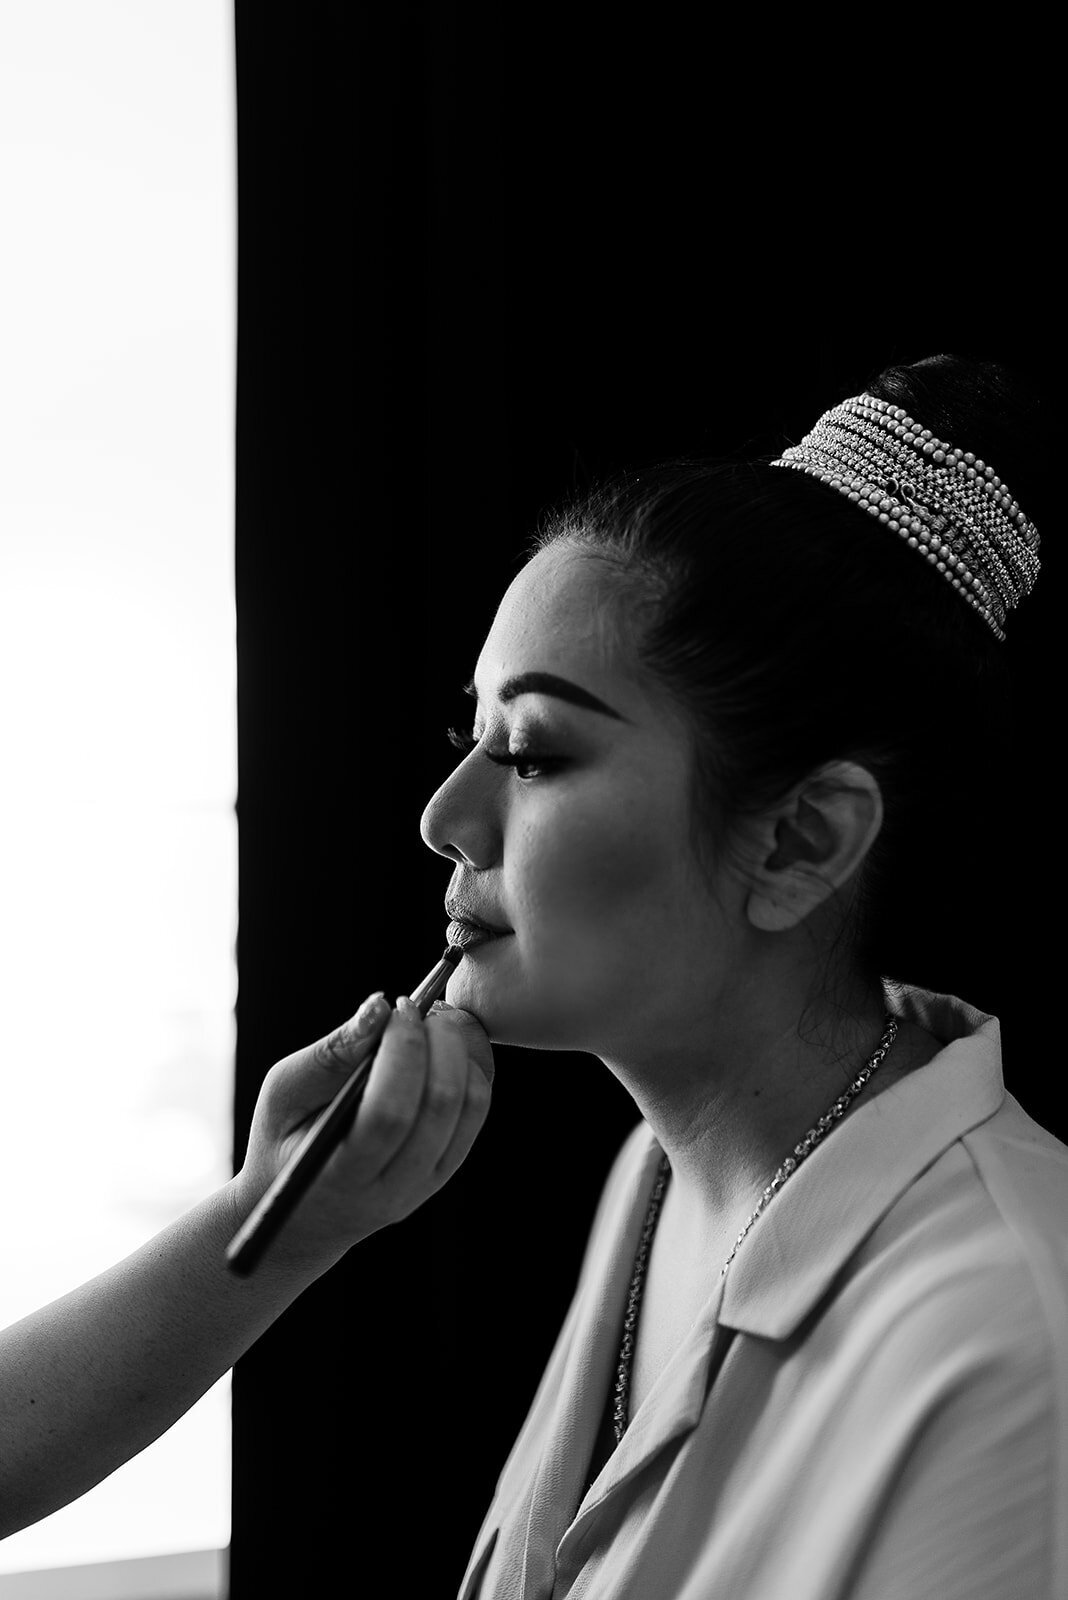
734	1093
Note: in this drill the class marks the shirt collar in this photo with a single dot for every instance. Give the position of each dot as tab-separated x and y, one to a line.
849	1182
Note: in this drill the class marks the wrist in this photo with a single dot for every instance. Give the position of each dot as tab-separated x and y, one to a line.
299	1252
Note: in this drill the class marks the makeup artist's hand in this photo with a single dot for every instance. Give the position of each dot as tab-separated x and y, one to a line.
426	1099
113	1363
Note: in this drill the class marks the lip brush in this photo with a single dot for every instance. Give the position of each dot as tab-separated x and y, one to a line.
330	1126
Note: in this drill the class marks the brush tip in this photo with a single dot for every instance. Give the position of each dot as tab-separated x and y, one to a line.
453	955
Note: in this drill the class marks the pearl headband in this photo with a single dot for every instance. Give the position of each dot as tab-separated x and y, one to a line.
943	502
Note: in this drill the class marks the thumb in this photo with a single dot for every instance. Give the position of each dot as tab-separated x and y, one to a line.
310	1077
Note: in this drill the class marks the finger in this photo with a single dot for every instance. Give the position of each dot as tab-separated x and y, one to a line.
394	1092
475	1110
303	1082
337	1052
440	1109
478	1041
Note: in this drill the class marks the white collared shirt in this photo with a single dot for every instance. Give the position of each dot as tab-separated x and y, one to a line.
873	1405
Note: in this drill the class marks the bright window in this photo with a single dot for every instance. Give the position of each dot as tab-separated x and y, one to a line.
118	848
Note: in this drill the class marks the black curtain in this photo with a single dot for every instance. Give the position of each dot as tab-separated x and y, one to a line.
480	261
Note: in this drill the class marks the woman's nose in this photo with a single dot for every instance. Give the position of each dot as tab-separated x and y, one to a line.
457	823
432	830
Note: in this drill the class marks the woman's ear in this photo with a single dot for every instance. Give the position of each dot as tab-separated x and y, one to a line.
811	844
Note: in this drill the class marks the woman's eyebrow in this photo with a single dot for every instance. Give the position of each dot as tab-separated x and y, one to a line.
549	683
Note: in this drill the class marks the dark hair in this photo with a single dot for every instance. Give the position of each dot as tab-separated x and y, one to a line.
791	629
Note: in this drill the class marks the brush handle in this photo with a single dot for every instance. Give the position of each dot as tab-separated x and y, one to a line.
329	1128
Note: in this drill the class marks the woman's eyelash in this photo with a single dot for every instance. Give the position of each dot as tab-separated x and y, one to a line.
461	740
466	742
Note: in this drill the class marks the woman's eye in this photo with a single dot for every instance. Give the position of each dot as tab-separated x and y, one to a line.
528	764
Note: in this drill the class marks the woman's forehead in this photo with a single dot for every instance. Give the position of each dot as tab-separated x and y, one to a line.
559	614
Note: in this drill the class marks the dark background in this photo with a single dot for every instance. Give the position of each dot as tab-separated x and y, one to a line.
481	260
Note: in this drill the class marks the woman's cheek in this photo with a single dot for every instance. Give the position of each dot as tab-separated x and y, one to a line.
596	865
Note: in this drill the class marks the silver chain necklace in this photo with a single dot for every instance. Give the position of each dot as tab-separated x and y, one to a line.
789	1166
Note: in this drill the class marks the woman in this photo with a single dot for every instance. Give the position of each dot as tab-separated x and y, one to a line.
727	724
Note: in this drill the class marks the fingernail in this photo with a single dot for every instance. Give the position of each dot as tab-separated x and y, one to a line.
450	1013
369	1013
407	1009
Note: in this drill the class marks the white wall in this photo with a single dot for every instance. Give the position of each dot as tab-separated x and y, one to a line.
117	683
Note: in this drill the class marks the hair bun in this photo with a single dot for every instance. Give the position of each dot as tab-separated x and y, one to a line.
992	408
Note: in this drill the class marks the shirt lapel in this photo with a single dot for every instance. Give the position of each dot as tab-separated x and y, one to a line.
842	1190
576	1404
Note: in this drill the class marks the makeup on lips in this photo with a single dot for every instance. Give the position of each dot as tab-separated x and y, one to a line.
466	931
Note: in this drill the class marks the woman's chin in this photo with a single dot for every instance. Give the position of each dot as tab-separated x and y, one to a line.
511	1016
536	996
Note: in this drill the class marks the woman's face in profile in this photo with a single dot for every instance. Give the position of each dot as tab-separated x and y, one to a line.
583	848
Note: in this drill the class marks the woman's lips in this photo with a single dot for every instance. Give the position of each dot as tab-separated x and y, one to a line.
468	934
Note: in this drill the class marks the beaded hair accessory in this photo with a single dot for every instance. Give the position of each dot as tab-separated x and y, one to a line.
942	501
